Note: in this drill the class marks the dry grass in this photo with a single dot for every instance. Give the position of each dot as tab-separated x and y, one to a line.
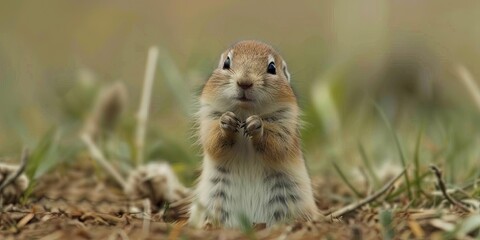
78	203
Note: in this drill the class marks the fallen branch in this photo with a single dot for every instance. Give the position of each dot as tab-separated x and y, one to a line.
98	156
12	177
367	200
443	188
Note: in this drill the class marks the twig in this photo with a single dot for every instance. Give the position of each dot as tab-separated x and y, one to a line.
443	188
470	84
369	199
12	177
142	116
146	218
100	158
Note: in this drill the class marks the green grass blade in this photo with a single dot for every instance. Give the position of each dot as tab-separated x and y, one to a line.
416	159
345	179
402	189
37	158
247	227
367	163
399	147
39	153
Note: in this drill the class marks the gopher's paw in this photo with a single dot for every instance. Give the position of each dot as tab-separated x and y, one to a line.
253	126
229	122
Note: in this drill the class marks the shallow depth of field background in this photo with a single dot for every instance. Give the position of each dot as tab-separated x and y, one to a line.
345	57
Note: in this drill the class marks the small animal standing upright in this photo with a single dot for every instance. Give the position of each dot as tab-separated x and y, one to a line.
253	168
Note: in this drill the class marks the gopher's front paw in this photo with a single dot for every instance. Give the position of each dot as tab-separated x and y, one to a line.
229	122
253	126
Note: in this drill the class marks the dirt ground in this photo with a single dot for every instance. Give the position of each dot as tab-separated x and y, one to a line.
77	202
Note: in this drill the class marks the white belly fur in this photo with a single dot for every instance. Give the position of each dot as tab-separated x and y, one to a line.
245	188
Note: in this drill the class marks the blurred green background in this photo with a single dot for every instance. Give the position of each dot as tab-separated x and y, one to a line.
344	56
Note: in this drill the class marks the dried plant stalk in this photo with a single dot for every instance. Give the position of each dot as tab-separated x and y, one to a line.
100	158
147	211
470	84
12	180
142	116
157	182
108	108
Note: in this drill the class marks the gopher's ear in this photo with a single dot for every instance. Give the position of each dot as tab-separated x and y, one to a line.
222	59
224	56
285	70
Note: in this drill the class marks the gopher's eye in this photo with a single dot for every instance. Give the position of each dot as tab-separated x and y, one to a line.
226	64
271	68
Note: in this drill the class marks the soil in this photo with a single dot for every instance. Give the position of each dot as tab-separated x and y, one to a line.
78	202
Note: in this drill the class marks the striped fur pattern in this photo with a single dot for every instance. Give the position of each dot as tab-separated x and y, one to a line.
253	168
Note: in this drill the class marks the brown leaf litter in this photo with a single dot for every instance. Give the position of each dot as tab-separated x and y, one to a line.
76	202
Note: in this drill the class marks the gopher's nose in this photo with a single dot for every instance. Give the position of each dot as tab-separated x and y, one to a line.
244	84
